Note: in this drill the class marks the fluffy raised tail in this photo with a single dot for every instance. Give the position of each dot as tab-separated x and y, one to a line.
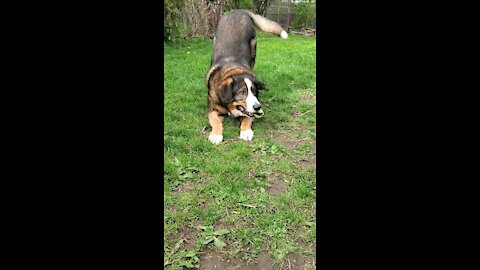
266	25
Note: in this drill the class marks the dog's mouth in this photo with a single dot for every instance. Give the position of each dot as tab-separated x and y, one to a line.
244	111
257	114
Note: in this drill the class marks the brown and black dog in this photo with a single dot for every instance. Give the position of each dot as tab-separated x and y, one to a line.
232	86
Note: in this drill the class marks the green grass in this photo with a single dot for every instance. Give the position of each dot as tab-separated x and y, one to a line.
228	186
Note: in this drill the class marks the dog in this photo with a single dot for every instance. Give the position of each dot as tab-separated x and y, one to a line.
233	89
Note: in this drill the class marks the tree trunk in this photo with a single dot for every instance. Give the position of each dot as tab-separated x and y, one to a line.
260	6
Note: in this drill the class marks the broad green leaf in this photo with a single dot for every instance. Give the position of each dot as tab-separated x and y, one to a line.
187	264
188	175
192	169
208	230
177	162
218	243
209	239
190	253
221	232
274	149
308	223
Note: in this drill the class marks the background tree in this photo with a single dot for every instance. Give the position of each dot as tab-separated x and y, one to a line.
198	18
236	4
260	6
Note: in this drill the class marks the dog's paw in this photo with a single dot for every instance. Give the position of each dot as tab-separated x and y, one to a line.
215	139
246	135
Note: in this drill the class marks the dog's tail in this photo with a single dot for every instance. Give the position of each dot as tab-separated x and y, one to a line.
266	25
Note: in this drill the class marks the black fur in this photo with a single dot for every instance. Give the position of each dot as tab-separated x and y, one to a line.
234	46
226	96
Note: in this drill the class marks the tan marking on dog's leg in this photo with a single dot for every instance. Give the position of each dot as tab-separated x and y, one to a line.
246	123
246	132
215	121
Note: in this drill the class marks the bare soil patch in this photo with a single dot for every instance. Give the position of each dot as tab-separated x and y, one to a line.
308	162
297	262
305	262
222	224
211	261
189	236
215	260
184	187
286	140
264	261
279	185
310	99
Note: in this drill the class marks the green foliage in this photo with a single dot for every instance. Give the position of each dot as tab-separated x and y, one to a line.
178	257
174	29
183	173
239	4
304	15
245	4
263	149
208	236
172	23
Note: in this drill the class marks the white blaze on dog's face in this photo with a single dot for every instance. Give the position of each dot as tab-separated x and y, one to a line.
251	100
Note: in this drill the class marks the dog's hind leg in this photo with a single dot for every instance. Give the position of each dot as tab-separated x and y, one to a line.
253	51
213	46
215	121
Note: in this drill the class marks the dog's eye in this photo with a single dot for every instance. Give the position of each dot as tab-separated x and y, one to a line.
242	91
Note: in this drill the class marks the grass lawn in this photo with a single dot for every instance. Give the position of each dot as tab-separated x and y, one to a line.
241	205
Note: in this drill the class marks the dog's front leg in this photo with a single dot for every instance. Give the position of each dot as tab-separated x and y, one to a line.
246	132
215	121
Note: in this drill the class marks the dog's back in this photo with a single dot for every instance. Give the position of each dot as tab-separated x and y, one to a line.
232	38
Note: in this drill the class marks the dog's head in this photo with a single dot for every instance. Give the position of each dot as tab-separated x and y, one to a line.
240	94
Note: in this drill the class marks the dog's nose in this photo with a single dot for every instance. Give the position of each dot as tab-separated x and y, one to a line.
257	107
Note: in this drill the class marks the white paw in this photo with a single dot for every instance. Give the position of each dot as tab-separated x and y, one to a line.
215	139
246	135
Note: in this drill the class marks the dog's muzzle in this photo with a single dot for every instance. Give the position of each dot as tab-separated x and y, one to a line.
258	111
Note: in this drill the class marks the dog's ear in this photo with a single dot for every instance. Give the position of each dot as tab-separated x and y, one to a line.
260	86
226	92
211	73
